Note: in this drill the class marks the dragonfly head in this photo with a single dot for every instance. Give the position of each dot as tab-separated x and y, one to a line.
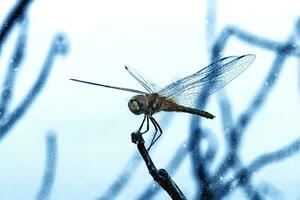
138	104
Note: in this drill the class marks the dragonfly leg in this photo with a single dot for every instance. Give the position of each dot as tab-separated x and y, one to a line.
147	129
157	129
141	126
154	136
157	124
160	131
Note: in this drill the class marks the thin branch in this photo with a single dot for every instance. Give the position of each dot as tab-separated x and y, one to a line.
236	132
210	23
269	190
172	167
196	135
200	167
127	173
231	159
161	176
13	17
260	162
58	46
252	39
225	110
13	68
51	163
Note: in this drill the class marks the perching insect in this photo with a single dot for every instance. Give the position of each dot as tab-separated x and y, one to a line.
180	95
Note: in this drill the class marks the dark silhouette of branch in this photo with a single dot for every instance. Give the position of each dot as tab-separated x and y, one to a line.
124	177
59	46
201	167
196	135
178	158
161	176
13	17
216	184
262	161
172	167
13	68
50	167
208	184
234	135
236	132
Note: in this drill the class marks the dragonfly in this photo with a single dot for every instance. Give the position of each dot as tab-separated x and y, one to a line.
181	95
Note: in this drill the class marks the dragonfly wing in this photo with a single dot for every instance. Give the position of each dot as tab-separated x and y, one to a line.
208	80
145	82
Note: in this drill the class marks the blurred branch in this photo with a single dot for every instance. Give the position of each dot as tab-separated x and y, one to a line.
120	182
212	147
225	110
298	77
209	185
161	176
13	17
59	47
252	39
199	163
210	23
13	68
236	132
251	192
51	162
200	166
243	175
270	191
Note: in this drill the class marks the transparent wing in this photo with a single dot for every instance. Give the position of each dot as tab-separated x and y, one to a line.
147	84
208	80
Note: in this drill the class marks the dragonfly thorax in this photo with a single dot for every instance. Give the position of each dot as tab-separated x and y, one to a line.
138	104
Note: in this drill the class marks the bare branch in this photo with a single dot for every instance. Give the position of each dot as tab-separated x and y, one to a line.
161	176
172	167
51	162
225	110
124	177
252	39
243	175
59	46
210	23
236	132
13	68
13	17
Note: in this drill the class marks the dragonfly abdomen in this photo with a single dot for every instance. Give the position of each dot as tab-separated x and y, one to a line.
194	111
170	106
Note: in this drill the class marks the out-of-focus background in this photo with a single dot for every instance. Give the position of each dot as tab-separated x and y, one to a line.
165	40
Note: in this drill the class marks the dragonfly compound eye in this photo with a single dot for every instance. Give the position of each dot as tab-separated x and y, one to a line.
134	107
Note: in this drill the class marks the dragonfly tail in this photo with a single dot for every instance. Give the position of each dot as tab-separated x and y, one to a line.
201	113
170	106
194	111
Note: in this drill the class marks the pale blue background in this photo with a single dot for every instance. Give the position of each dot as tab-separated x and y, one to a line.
164	40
